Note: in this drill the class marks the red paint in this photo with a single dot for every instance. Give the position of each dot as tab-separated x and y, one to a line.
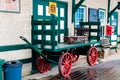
42	65
92	56
65	64
109	30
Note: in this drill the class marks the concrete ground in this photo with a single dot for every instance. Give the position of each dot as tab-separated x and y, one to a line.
82	63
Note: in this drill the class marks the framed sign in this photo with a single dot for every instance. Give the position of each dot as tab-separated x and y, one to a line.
10	5
52	7
92	15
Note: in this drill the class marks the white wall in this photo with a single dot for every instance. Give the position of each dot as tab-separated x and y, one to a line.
13	25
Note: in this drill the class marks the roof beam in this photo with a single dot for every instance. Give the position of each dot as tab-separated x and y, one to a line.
75	7
110	12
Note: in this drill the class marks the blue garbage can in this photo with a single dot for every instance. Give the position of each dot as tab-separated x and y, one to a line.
12	70
1	63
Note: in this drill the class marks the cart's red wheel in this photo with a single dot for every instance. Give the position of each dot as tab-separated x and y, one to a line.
75	57
42	65
92	56
65	64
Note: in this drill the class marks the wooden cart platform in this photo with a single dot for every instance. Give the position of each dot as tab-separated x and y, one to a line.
65	46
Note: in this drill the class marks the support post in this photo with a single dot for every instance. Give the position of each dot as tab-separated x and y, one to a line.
110	13
108	10
77	6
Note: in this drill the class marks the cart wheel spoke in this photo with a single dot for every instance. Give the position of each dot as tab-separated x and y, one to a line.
42	66
65	64
92	56
75	57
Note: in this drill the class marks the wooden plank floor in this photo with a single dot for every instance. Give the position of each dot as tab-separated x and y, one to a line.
103	71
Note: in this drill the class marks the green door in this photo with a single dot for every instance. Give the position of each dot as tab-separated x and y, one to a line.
114	23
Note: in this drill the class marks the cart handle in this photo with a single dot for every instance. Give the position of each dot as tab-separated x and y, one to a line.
24	39
37	50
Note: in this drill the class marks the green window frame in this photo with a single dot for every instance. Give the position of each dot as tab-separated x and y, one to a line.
80	16
114	22
102	19
102	15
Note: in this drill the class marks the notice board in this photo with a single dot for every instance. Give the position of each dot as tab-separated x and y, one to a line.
10	5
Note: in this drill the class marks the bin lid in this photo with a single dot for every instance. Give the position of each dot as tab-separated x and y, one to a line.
12	64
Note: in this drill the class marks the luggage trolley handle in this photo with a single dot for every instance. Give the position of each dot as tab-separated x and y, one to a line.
37	50
30	45
24	39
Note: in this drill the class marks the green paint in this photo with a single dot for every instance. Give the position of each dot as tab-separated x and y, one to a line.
91	37
115	22
75	7
115	25
108	11
43	32
112	11
13	47
1	63
27	60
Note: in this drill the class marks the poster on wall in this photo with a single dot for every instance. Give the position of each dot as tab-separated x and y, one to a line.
10	5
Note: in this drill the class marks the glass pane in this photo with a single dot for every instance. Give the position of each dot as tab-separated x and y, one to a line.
61	38
79	16
61	12
61	24
40	9
56	38
102	17
39	27
57	11
47	11
48	37
39	37
48	27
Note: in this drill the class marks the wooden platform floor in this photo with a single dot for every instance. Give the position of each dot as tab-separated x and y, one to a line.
103	71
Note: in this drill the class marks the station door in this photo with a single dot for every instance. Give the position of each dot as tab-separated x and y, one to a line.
114	23
41	13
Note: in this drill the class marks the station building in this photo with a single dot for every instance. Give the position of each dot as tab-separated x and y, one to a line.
69	13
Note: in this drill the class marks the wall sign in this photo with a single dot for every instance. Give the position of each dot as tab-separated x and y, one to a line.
52	7
10	5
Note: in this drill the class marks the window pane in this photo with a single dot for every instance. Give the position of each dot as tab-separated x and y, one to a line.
102	17
79	16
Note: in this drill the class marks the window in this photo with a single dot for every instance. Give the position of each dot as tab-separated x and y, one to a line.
92	15
102	20
102	17
79	16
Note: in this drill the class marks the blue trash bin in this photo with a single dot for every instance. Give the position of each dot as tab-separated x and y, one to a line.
12	70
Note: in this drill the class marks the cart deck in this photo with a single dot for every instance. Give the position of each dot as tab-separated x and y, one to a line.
65	46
